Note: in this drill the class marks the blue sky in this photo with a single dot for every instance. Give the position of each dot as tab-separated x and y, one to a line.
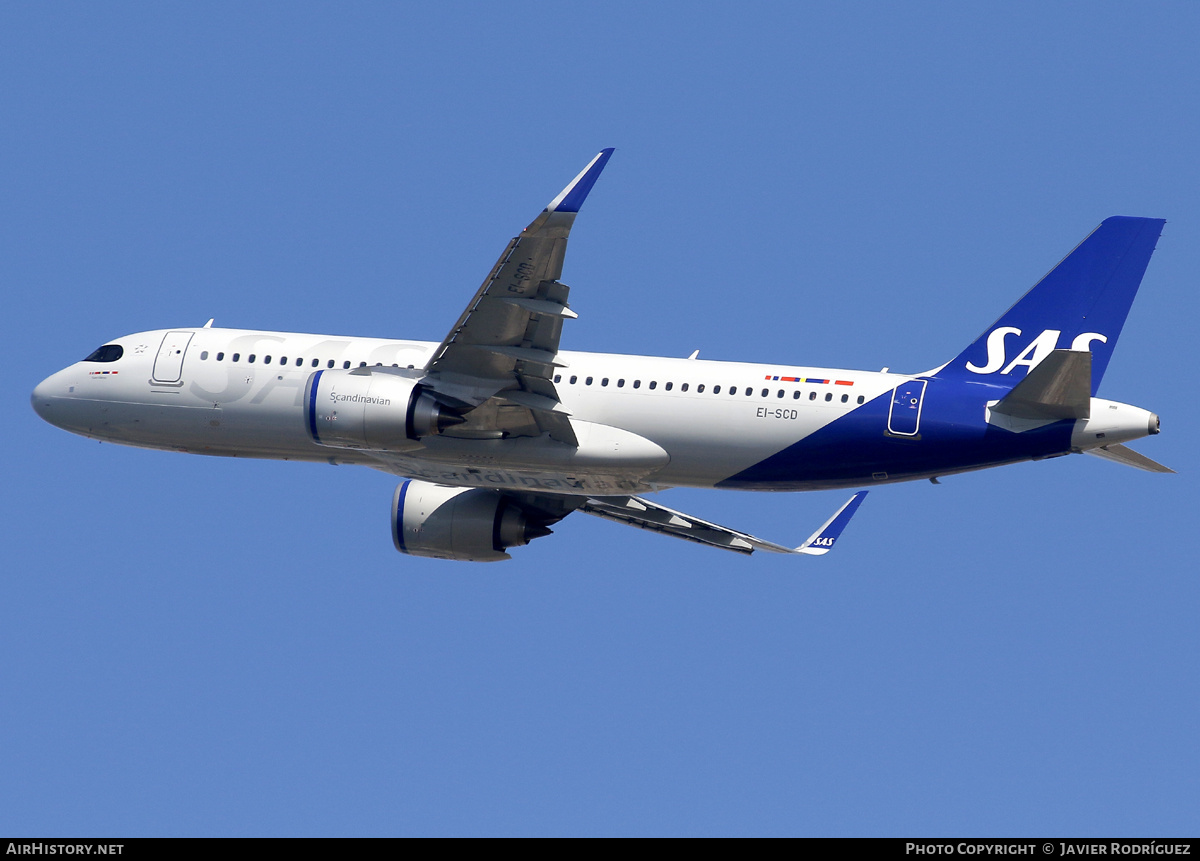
198	646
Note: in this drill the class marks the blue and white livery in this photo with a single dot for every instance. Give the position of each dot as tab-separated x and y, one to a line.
499	434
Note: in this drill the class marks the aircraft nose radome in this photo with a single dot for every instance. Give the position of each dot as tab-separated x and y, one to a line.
46	397
40	399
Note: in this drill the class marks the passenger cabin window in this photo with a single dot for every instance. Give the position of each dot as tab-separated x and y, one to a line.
700	388
604	382
250	358
574	379
796	395
107	353
300	362
668	386
683	388
315	362
781	393
558	378
266	360
588	381
829	396
237	357
845	398
654	384
732	390
621	383
812	396
345	366
765	392
637	384
861	399
716	390
204	355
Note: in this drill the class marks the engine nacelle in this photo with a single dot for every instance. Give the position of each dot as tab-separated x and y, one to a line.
463	523
375	411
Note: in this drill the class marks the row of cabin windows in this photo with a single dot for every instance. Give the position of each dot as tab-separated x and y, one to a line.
637	384
251	358
716	390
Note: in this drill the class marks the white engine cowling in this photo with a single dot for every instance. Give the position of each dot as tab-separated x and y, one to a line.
467	524
375	411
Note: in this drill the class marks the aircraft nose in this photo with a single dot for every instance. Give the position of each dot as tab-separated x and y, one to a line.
40	399
47	396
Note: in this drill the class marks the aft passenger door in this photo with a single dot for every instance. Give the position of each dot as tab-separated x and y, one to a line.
168	364
904	417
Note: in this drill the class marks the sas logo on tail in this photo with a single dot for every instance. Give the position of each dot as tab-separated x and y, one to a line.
1038	349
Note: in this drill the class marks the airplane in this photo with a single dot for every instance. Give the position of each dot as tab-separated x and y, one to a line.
498	434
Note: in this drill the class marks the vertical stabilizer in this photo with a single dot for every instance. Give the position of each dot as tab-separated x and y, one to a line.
1081	304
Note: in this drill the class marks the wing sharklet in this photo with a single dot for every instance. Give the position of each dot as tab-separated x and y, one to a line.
573	196
822	541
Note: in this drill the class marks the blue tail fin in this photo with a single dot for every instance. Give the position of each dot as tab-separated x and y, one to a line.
1081	304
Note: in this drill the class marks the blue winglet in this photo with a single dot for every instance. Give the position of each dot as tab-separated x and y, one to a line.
823	539
572	197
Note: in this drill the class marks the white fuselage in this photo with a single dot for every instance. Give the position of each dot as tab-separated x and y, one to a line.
240	393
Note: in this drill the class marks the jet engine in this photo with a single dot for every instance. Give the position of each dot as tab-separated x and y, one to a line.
371	410
467	524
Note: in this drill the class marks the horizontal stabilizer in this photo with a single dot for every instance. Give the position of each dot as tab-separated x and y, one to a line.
1060	387
1121	454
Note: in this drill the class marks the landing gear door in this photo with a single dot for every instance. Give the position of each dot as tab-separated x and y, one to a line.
904	417
168	365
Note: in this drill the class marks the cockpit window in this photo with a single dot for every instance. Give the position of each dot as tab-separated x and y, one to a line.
107	353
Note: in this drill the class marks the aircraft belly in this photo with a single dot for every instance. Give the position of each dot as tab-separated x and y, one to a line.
591	482
712	437
607	460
